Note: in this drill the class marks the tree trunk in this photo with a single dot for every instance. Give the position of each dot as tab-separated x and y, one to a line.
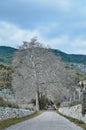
37	101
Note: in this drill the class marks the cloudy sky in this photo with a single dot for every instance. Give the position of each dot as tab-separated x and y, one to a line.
60	24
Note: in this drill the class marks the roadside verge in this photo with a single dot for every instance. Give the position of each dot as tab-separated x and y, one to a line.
6	123
76	121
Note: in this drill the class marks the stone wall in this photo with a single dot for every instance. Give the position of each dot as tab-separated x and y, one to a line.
74	112
6	113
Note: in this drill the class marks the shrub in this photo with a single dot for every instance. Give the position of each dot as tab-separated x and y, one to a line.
12	105
74	103
2	102
7	104
43	101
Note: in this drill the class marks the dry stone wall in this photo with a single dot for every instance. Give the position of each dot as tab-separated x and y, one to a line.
74	112
6	113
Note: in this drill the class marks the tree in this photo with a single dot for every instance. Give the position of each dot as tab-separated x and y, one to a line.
38	70
31	48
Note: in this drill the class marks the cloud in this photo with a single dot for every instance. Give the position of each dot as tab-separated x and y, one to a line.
34	13
65	44
11	35
59	23
61	16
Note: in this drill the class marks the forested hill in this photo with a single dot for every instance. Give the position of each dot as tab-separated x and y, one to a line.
6	54
74	58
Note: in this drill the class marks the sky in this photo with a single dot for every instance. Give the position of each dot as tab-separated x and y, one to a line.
59	24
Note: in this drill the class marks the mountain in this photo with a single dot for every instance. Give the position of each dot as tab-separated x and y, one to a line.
73	58
6	55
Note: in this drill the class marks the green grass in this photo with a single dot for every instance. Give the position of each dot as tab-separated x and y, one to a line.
6	123
76	121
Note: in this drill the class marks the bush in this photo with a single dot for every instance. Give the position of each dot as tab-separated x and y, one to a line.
33	101
43	101
2	102
7	104
58	104
74	103
12	105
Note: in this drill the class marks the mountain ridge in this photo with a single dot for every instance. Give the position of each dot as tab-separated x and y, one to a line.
6	55
75	58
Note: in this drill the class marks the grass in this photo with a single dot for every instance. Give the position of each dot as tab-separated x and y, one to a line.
76	121
6	123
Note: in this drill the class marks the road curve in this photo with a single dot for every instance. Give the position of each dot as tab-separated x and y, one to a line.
47	121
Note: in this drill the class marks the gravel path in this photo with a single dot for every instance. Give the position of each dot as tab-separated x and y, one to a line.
47	121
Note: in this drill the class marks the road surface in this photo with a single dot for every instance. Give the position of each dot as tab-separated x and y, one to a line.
47	121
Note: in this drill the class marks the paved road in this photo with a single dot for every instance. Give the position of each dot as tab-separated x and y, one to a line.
46	121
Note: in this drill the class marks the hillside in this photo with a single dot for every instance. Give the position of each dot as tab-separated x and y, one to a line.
73	58
6	55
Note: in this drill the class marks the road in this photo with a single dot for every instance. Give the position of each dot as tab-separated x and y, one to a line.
47	121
